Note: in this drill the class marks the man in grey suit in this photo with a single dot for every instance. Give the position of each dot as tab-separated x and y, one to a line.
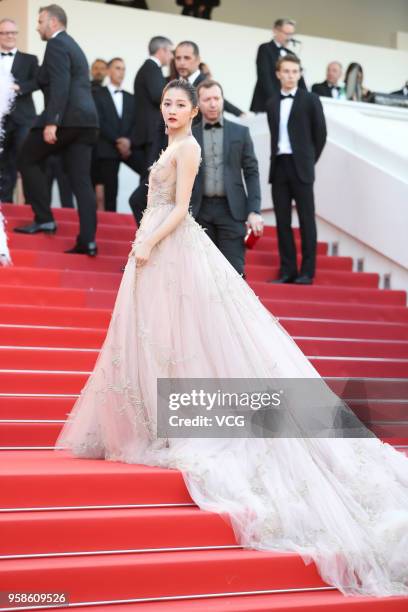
68	125
219	202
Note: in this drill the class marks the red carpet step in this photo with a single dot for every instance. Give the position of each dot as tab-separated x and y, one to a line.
160	574
31	479
28	533
46	277
108	263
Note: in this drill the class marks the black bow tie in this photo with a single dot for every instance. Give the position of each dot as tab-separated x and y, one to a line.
285	97
208	126
118	91
5	54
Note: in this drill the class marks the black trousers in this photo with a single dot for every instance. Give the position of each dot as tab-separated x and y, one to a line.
138	199
75	146
108	172
226	233
286	187
13	140
55	171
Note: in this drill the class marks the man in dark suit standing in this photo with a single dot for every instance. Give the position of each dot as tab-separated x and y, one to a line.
267	82
68	124
298	135
330	88
116	110
148	87
24	69
221	202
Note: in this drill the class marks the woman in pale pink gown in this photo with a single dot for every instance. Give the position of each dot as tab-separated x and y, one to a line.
182	311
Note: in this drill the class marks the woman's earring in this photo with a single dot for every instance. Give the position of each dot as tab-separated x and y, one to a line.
166	129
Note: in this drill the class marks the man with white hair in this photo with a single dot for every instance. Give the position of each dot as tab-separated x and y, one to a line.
23	69
330	88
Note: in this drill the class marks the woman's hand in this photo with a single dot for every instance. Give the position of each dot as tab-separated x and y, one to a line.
141	253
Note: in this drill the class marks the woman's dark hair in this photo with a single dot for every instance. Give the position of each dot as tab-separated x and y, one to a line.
173	74
351	67
185	86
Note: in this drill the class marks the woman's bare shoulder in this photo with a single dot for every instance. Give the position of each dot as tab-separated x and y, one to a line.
190	144
189	149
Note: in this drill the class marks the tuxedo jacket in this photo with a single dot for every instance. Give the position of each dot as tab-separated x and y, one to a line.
148	88
239	161
112	126
324	90
307	132
267	82
25	71
64	79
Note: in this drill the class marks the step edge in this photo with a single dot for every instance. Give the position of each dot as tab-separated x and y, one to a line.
120	551
176	598
100	507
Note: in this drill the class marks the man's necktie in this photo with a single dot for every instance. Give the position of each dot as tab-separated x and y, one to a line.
283	97
10	54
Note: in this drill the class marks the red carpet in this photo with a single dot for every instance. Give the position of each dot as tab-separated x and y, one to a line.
110	532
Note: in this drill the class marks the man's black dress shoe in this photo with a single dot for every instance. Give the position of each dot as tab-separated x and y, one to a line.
282	280
34	228
89	248
303	280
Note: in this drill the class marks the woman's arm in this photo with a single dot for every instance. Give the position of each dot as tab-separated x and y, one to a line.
187	159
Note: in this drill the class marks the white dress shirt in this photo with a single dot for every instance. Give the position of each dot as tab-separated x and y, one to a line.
282	50
155	60
117	97
56	33
193	76
284	146
6	61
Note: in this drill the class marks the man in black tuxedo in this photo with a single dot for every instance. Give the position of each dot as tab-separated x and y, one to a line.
267	82
298	135
24	69
330	88
68	124
220	201
148	87
116	110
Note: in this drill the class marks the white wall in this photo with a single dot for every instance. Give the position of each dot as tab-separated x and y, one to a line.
371	22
